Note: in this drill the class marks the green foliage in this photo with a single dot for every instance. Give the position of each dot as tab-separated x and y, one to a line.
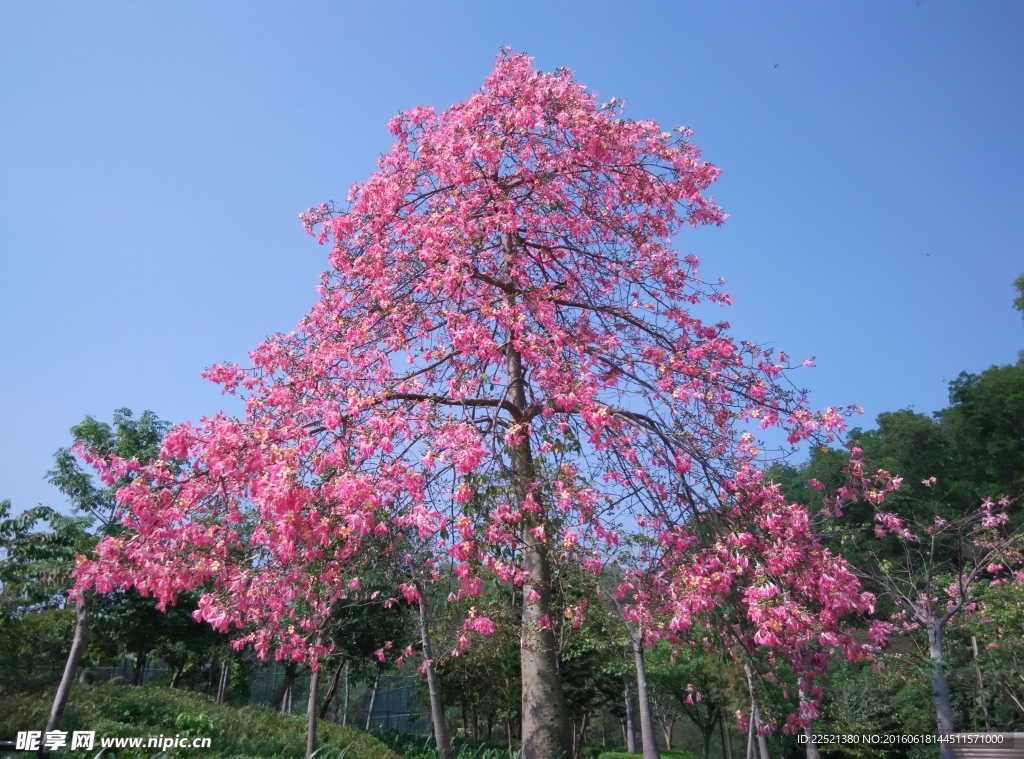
128	438
664	755
115	711
39	548
985	424
412	746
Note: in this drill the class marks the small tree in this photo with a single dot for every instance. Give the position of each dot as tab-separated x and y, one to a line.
930	570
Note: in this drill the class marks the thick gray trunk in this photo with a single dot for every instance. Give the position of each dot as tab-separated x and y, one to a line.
60	700
546	730
311	712
940	687
762	740
444	745
650	743
630	732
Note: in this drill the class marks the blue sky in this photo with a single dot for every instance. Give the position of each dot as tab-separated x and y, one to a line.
154	158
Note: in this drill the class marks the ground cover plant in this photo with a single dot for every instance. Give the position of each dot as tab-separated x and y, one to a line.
252	731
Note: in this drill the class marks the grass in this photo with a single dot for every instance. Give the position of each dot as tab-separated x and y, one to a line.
252	731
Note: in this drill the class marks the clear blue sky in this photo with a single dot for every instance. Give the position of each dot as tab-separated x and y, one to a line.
154	157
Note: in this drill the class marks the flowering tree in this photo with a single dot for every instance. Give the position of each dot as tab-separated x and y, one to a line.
504	305
937	567
755	574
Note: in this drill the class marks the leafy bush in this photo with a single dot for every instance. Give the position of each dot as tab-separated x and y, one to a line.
252	731
412	746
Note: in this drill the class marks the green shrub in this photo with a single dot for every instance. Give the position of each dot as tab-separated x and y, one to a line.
252	731
674	754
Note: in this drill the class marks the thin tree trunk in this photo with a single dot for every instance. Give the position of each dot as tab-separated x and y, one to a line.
630	733
281	698
545	722
332	688
726	737
812	747
60	700
344	713
706	749
981	683
762	740
176	677
311	710
139	671
940	688
222	686
751	751
650	742
373	699
667	727
441	739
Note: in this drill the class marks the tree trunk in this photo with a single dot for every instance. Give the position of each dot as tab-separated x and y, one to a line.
630	733
812	747
667	727
751	751
706	749
176	677
762	740
281	699
311	711
60	700
332	688
373	699
441	739
650	742
545	722
344	712
940	688
139	671
981	684
222	686
726	737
